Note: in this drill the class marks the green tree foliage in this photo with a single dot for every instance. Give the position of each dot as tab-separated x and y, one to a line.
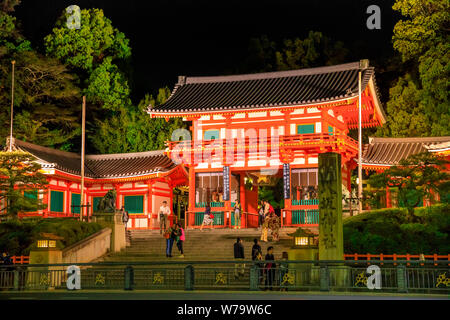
10	38
390	231
415	178
313	51
19	173
18	236
406	113
45	95
273	192
134	130
87	47
107	87
418	103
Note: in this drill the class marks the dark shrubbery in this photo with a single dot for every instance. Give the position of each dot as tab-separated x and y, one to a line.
391	231
17	236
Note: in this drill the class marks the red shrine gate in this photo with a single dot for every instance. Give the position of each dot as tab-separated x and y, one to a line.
257	124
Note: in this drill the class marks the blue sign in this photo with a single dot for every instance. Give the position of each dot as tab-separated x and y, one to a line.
286	180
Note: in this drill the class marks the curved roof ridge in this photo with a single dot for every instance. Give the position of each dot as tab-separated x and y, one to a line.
21	143
408	139
274	74
124	155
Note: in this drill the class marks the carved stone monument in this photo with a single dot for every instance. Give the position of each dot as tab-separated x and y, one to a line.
331	241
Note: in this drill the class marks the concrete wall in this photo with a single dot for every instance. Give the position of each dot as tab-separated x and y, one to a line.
88	249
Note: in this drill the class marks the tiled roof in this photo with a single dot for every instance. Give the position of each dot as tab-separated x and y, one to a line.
389	151
100	166
439	146
262	90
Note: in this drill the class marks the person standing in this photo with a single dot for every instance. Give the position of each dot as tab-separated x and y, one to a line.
269	268
180	239
265	224
237	214
208	217
261	215
170	234
164	212
256	249
238	255
125	217
274	225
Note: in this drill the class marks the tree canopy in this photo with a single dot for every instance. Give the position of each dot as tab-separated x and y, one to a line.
21	183
418	104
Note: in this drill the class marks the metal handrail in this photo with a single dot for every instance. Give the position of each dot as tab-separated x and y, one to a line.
165	262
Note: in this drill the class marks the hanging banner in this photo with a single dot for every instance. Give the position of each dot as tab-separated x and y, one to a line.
226	183
286	180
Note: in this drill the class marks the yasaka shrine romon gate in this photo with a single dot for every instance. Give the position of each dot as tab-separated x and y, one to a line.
248	127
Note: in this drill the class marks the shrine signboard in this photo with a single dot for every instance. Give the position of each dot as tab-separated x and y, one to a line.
286	181
226	183
331	241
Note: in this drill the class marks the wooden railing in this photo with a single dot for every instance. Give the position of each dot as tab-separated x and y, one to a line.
394	257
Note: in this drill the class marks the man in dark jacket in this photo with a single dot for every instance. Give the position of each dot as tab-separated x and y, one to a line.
270	268
239	268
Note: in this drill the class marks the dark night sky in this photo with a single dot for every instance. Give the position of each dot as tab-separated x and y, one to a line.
210	37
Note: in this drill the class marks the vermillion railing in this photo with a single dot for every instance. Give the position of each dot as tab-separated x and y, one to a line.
294	142
379	258
20	259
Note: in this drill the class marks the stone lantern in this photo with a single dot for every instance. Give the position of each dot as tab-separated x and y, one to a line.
304	248
303	238
46	250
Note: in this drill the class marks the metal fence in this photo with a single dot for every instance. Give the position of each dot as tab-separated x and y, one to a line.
420	277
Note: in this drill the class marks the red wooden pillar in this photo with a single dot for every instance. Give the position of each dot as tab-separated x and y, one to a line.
388	198
149	204
46	200
67	200
172	218
190	214
117	188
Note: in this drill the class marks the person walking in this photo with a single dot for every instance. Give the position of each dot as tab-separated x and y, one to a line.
269	268
208	217
164	212
180	239
237	214
238	255
256	249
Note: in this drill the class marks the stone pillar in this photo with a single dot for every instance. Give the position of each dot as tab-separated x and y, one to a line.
331	240
114	222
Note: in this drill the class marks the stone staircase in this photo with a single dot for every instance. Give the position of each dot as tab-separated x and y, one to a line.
206	245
